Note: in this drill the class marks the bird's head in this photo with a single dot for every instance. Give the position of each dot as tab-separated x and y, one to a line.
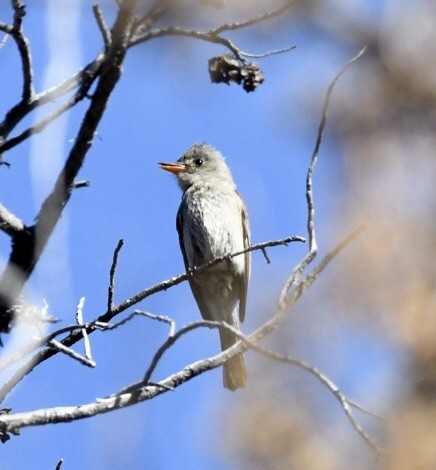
200	164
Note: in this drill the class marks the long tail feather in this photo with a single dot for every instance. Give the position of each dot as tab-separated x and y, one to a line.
234	371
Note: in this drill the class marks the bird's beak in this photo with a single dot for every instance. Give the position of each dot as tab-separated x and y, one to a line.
174	168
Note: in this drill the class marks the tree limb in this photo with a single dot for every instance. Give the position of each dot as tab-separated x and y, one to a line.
12	422
27	250
76	333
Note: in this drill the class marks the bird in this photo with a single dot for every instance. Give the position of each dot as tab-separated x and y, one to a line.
212	222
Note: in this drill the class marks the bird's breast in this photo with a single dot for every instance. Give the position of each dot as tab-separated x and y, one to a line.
212	226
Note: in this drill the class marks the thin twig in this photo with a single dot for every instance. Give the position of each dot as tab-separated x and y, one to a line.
150	18
265	255
314	159
102	26
284	307
166	345
5	28
365	411
178	31
24	50
171	340
313	248
43	123
10	223
110	297
79	320
5	39
70	353
86	328
83	78
36	343
208	36
268	53
345	403
162	318
303	285
252	21
185	276
140	313
81	184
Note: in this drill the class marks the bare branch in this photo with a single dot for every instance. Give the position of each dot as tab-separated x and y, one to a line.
24	50
268	53
177	31
265	255
365	411
81	184
309	180
105	31
137	313
73	354
84	328
79	320
252	21
76	333
254	337
284	307
310	278
43	123
25	255
9	223
6	28
5	37
208	36
65	414
345	403
313	248
150	18
83	79
184	277
36	343
110	299
172	339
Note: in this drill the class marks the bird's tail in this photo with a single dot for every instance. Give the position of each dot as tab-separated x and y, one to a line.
234	371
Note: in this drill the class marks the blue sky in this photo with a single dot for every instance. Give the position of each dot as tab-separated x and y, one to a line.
163	103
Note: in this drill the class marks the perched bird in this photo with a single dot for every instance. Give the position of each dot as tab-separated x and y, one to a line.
212	222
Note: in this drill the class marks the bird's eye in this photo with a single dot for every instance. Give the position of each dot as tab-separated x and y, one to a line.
198	162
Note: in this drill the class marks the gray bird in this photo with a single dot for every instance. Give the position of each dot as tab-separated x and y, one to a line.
212	221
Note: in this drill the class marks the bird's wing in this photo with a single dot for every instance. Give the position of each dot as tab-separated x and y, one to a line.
243	288
196	289
179	226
